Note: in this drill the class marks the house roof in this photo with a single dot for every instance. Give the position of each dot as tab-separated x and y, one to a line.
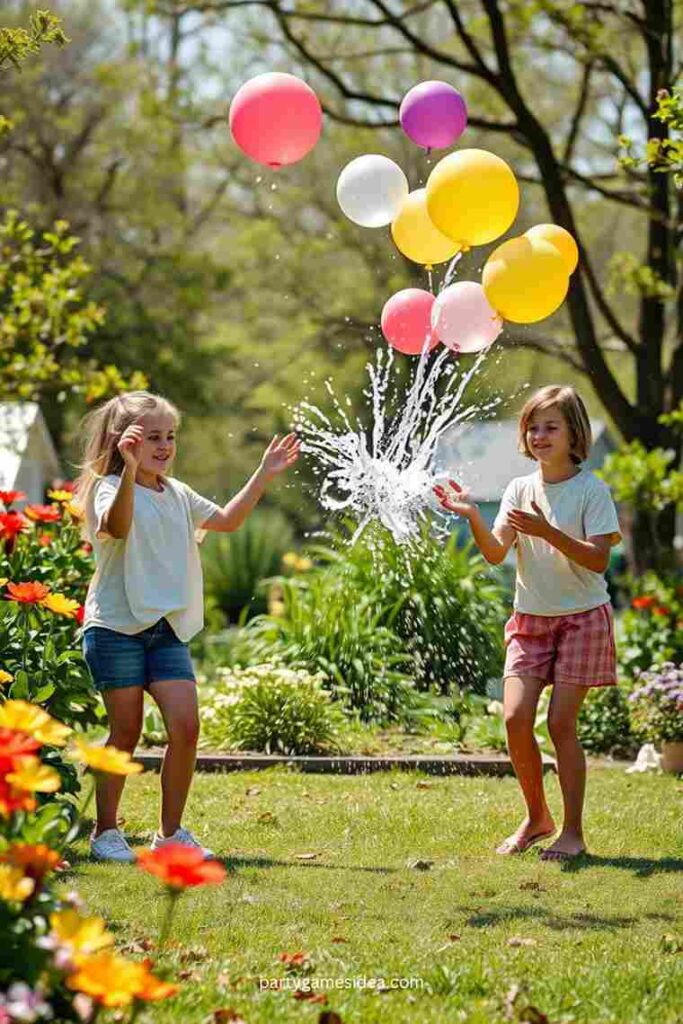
21	424
485	457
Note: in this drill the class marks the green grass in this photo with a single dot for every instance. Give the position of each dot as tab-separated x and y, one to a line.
602	941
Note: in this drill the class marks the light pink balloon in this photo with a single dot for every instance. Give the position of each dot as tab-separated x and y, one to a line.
275	119
406	321
463	318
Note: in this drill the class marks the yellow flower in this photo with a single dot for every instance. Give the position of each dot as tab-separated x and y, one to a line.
104	759
3	580
61	605
34	777
75	511
303	564
65	496
108	978
5	677
15	887
80	934
290	559
29	718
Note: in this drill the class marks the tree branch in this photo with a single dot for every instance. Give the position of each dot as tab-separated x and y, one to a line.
578	114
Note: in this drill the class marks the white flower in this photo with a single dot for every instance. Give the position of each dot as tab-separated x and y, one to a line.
26	1005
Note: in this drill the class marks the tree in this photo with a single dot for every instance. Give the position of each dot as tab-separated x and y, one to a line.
513	59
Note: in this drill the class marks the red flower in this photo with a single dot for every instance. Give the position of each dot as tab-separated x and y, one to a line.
27	593
642	603
80	615
36	860
9	497
14	744
12	799
12	523
661	610
43	513
63	485
180	866
86	548
45	540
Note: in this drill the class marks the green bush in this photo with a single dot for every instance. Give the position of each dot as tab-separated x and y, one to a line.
269	709
651	630
330	628
440	599
604	725
235	564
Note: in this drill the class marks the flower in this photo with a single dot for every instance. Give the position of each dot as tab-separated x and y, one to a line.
61	605
12	523
113	981
75	511
80	615
31	719
43	513
27	593
80	934
661	610
36	860
12	799
26	1004
62	496
33	776
104	759
15	886
45	539
9	497
644	602
5	677
180	866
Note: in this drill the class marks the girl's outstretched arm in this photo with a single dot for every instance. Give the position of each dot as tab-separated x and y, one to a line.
278	456
493	544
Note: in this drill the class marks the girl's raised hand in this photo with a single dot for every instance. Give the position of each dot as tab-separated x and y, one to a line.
280	454
129	444
456	500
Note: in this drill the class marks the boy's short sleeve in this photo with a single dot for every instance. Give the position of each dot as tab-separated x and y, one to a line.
507	503
600	514
103	498
201	509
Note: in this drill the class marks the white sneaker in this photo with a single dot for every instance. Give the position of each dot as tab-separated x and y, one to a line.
111	845
184	836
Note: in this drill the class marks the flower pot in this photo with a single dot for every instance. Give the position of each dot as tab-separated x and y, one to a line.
672	756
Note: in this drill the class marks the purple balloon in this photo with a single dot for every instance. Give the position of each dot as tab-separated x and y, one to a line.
433	115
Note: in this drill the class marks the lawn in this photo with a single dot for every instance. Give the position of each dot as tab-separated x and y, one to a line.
393	876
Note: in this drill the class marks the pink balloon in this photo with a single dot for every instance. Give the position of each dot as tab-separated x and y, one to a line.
433	114
463	318
406	321
275	119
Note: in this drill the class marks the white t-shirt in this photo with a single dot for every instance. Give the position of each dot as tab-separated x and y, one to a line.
155	572
549	583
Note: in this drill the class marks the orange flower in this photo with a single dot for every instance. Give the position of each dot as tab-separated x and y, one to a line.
43	513
45	540
154	988
12	799
180	866
14	744
642	603
36	860
113	981
27	593
662	611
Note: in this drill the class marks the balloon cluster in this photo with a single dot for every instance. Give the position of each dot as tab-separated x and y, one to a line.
471	198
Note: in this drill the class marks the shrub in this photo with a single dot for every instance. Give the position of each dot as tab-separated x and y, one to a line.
269	709
657	705
236	563
441	599
327	628
651	630
604	724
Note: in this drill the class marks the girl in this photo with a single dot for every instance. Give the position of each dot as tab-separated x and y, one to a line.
145	600
563	522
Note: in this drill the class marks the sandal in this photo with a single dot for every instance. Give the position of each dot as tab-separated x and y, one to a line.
513	845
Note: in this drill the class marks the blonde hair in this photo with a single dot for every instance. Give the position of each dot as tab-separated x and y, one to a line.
102	429
570	404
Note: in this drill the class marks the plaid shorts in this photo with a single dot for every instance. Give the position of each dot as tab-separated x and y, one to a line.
574	649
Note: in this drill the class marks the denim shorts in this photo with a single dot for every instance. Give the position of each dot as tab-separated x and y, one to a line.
116	659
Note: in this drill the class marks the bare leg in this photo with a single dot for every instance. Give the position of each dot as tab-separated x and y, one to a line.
563	712
520	702
177	700
124	714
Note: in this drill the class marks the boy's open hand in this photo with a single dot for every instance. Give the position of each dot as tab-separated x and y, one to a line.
280	455
533	524
458	502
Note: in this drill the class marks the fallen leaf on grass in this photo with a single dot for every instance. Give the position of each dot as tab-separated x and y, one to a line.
519	1010
338	938
516	940
306	996
329	1017
533	886
306	856
298	959
266	817
421	865
252	791
226	1015
423	784
193	955
190	975
454	938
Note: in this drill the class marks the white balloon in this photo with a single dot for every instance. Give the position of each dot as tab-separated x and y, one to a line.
371	190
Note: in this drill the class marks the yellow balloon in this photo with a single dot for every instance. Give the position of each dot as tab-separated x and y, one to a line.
416	236
561	239
472	196
525	280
